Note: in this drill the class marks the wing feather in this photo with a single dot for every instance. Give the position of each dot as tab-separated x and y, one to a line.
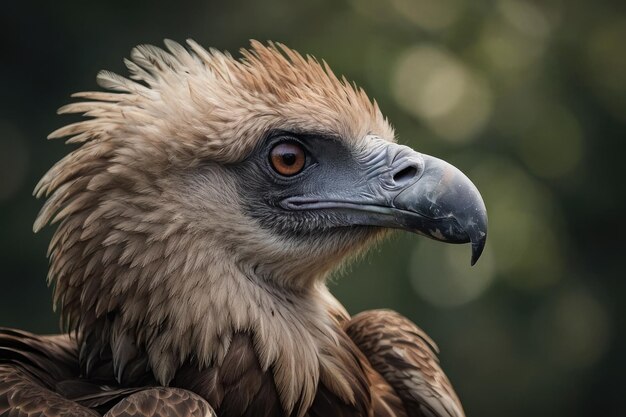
406	357
40	376
21	395
162	402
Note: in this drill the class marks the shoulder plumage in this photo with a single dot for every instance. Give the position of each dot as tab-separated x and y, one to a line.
406	357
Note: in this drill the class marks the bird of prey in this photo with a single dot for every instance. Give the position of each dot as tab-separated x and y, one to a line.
206	202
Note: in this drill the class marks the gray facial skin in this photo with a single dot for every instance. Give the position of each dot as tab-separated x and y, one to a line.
386	185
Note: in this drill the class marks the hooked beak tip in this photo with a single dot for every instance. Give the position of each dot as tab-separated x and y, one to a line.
478	239
477	249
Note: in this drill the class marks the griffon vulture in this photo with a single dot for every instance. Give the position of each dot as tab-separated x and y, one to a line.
205	205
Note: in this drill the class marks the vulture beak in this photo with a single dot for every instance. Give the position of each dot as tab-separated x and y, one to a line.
443	204
396	187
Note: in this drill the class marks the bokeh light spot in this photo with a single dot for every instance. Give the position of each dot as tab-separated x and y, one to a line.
429	14
525	17
440	90
376	10
441	274
506	49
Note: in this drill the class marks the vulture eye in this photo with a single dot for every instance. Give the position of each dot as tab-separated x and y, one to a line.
287	158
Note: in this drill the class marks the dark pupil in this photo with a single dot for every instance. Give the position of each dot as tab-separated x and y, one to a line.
289	158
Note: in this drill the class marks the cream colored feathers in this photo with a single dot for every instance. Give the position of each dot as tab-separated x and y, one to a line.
147	258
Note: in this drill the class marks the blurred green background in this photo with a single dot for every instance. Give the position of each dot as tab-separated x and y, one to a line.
527	97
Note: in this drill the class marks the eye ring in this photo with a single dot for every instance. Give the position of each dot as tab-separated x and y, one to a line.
287	158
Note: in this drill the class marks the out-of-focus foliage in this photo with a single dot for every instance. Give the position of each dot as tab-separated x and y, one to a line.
527	97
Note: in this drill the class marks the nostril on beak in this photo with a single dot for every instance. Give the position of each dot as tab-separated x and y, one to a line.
405	175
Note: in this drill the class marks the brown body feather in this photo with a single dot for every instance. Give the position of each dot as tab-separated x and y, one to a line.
181	305
394	373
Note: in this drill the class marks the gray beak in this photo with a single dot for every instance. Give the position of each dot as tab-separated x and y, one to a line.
396	187
445	205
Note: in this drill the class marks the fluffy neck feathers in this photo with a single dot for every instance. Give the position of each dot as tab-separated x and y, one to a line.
185	297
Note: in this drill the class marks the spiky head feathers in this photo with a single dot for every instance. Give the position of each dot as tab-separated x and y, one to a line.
206	104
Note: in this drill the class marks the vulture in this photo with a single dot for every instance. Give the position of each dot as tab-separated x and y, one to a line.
206	201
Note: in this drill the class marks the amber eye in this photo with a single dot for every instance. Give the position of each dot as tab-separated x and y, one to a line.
287	158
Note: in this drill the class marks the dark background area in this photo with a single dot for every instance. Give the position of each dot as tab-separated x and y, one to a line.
527	97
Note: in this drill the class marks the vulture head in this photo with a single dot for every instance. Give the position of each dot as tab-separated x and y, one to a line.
210	195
